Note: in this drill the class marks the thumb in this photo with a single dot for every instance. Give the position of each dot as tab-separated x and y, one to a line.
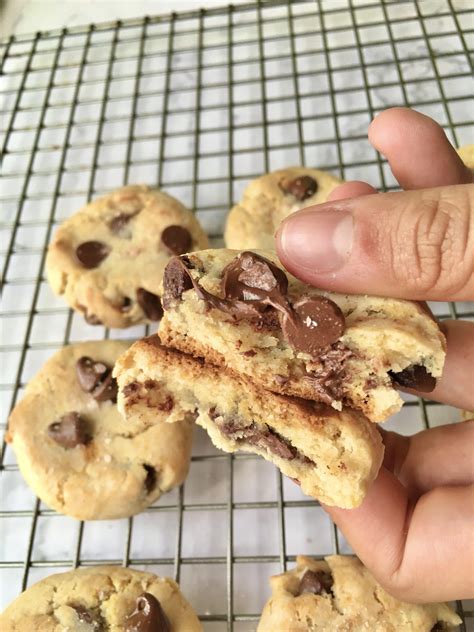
413	244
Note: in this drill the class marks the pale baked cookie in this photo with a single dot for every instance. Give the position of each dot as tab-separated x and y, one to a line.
333	455
242	310
466	415
267	200
467	155
338	595
77	452
106	598
107	260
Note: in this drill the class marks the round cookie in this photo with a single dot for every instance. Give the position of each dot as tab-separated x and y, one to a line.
466	153
79	454
103	598
339	594
267	200
108	258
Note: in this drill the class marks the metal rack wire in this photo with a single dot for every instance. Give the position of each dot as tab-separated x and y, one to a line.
199	103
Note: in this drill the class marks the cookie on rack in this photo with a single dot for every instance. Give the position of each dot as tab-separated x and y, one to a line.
77	452
241	309
101	598
267	200
107	259
333	455
339	594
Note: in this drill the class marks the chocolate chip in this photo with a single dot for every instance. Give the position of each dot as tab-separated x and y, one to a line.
126	304
92	253
85	615
150	304
315	583
69	431
166	405
301	188
415	376
176	280
118	223
150	479
148	616
252	277
177	239
314	323
439	627
96	378
277	445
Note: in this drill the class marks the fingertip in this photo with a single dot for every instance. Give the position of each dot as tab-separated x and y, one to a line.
355	188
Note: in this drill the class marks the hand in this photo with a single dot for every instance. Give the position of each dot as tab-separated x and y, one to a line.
414	530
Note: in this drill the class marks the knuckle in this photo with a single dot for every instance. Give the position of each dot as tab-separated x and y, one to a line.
431	247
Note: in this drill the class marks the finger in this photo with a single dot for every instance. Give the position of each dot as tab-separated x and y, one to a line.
455	385
356	188
412	244
432	458
417	149
417	544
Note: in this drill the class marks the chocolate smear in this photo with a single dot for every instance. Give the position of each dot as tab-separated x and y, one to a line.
314	323
176	280
96	378
85	615
148	616
69	431
301	188
92	253
150	304
177	239
415	376
315	583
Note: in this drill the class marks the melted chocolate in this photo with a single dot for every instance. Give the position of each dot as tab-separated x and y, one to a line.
69	431
255	289
92	253
415	376
86	615
301	188
148	616
315	583
96	378
176	239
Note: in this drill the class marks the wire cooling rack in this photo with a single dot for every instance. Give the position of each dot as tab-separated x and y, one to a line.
199	103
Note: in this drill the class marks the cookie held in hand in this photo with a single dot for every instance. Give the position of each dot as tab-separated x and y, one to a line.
244	311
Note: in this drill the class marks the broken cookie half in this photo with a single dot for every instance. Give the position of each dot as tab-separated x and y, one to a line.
333	455
242	310
340	594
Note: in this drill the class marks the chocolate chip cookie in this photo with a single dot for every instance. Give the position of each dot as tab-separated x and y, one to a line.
333	455
241	309
79	454
107	260
267	200
339	594
100	599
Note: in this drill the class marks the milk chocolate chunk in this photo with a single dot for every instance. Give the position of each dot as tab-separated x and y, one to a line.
301	188
96	378
176	280
150	304
177	239
92	253
314	323
315	583
119	223
148	616
69	431
252	277
415	376
85	615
